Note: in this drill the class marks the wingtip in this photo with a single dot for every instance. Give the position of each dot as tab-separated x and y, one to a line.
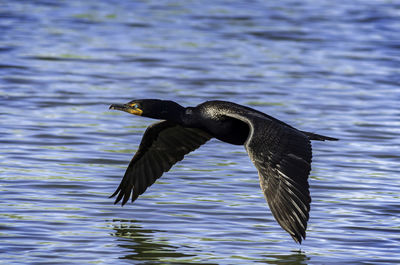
117	201
118	198
124	201
319	137
115	192
298	239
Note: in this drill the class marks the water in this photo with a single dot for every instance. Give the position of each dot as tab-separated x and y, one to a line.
331	67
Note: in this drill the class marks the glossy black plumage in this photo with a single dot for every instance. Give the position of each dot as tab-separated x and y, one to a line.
164	144
281	153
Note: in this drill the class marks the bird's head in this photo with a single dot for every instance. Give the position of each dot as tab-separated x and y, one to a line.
152	108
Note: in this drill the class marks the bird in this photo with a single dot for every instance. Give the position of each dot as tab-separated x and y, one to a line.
281	153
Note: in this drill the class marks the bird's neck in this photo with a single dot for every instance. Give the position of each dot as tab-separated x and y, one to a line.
171	111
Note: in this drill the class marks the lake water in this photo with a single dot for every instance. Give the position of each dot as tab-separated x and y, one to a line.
330	67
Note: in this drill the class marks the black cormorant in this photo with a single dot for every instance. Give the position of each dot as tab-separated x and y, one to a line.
281	153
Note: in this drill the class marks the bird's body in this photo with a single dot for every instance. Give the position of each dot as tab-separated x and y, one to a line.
281	153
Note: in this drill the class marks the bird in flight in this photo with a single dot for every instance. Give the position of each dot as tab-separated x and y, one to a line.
281	153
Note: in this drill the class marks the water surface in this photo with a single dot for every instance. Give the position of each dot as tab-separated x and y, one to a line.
330	67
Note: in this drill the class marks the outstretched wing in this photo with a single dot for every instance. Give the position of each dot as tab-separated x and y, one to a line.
163	144
282	156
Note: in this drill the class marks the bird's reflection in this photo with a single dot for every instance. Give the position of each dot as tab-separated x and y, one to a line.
148	247
144	245
297	258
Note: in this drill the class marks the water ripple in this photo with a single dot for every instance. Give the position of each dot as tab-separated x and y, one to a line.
325	67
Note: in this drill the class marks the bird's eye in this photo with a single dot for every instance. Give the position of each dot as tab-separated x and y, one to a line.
135	106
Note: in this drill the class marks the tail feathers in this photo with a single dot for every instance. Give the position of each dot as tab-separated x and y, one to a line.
318	137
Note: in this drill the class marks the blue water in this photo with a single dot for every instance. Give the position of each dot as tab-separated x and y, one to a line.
330	67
